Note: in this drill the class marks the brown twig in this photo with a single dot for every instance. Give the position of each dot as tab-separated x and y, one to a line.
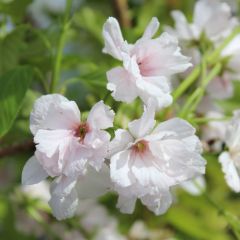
17	148
122	13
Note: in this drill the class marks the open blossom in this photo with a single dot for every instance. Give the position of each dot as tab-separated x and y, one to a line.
146	161
213	132
147	64
230	159
66	146
212	18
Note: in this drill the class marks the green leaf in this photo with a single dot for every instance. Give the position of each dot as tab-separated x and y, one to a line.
11	48
14	85
16	9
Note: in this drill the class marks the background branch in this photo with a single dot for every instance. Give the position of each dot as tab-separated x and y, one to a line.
17	148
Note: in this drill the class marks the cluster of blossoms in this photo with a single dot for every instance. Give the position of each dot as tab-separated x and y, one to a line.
149	159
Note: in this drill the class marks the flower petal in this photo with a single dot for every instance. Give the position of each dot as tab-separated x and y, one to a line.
179	127
158	203
120	141
120	168
94	184
144	125
64	198
190	186
160	56
156	89
151	29
51	141
33	172
114	42
54	112
100	116
230	171
126	204
122	84
183	28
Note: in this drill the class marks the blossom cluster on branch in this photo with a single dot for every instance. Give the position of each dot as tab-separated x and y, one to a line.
149	158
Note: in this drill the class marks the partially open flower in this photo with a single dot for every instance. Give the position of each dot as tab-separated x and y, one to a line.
147	64
146	161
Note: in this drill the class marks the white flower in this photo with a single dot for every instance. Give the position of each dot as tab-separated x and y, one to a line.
109	233
230	159
66	146
195	186
39	191
40	10
147	64
213	133
211	17
232	50
146	161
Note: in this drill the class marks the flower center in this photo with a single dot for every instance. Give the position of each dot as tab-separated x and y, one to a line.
82	130
140	147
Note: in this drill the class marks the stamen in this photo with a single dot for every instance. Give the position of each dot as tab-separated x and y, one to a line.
82	130
140	147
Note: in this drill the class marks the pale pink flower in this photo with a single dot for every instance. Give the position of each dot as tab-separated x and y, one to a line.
212	18
230	159
213	132
66	146
147	64
146	161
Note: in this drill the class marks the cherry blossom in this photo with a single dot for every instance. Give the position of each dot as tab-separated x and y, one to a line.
66	147
230	160
147	64
211	18
146	161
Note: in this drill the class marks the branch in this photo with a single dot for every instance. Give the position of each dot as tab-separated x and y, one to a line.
17	148
122	13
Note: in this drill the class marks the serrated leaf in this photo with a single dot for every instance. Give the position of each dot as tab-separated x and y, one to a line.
14	85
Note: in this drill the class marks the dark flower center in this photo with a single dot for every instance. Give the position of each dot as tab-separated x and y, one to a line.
140	147
82	130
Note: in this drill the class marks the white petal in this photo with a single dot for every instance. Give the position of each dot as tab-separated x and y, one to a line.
145	124
147	170
33	172
64	199
220	88
54	112
158	203
100	116
120	168
156	89
120	141
160	56
122	84
177	160
126	204
151	29
183	28
179	127
190	186
99	147
193	144
214	18
51	141
94	184
114	43
230	171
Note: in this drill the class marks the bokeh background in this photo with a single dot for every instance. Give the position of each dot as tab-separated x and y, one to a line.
29	32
